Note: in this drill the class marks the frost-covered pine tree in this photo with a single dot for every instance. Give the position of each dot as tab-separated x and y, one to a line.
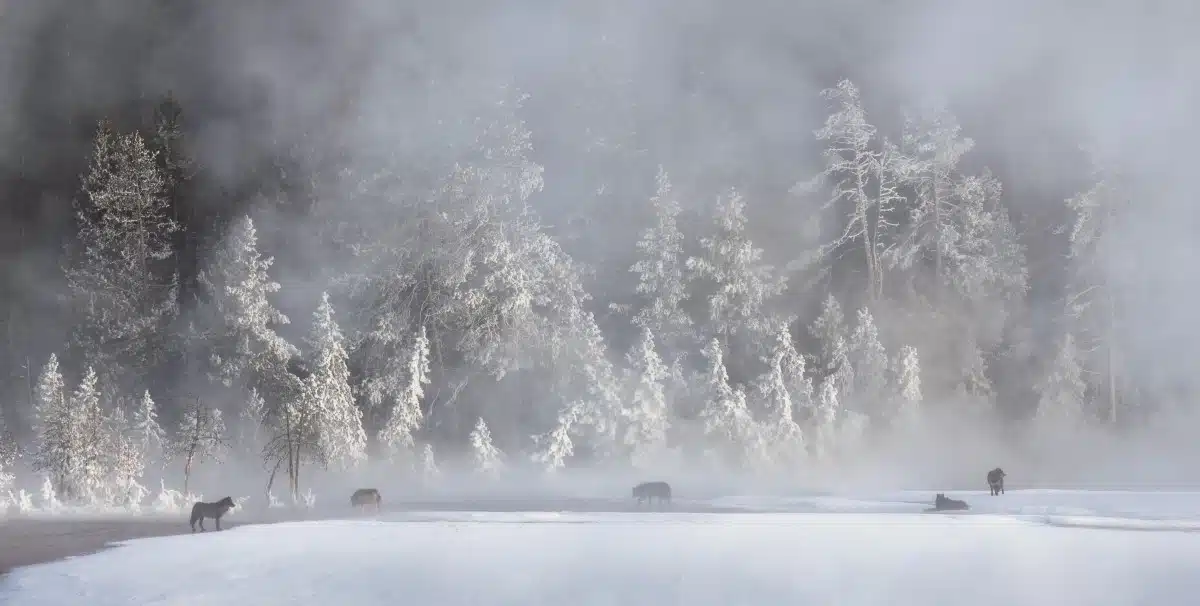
660	270
201	437
1062	391
851	164
146	433
647	416
484	454
327	392
95	447
733	435
782	432
406	416
429	466
241	288
827	328
56	428
870	362
554	448
743	284
123	284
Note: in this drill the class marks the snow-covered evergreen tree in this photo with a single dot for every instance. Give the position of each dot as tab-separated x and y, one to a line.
96	447
647	416
783	434
1062	391
148	436
660	270
553	449
406	417
732	434
744	285
870	362
123	284
56	426
327	392
484	454
827	328
241	288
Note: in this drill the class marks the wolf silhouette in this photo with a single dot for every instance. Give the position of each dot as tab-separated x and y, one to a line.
364	497
995	479
648	491
210	510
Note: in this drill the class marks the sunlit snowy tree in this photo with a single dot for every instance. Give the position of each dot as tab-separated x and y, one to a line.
660	270
327	392
123	284
56	426
148	436
553	449
783	434
646	416
406	416
909	384
870	362
733	436
484	454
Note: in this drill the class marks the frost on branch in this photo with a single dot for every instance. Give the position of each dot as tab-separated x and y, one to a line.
201	437
909	385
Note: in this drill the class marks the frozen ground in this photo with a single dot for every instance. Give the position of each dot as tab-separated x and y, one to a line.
1024	548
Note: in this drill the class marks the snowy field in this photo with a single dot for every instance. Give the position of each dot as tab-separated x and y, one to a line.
1027	547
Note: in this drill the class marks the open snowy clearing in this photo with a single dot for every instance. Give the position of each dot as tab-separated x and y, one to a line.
1009	550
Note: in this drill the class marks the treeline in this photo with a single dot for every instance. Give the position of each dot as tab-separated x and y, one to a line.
451	323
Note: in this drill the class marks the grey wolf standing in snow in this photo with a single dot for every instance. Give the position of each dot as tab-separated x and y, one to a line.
210	510
647	491
941	503
996	481
366	496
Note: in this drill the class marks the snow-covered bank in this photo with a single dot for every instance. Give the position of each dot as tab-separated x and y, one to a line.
845	557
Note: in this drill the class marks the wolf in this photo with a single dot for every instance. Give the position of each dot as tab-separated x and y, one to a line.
941	503
210	510
364	497
995	480
647	491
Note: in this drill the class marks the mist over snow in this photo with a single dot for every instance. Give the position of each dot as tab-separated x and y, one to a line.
416	244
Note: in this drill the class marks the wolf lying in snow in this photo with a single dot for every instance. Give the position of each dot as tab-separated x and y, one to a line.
942	503
647	491
210	510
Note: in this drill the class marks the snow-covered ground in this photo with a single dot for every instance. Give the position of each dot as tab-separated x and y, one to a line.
1018	549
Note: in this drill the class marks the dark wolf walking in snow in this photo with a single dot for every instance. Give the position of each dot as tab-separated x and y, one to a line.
996	481
647	491
942	503
210	510
364	497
